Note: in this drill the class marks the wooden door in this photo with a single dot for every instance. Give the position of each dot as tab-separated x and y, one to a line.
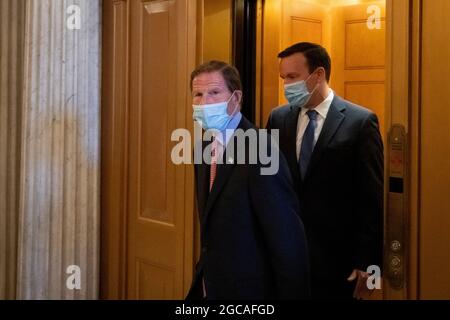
358	55
430	153
147	201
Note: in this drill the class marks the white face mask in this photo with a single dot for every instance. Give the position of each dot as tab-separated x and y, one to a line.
297	93
214	115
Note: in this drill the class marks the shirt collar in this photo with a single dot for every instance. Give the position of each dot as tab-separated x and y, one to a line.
323	107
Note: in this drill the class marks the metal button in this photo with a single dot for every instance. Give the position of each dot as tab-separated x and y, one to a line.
396	246
395	262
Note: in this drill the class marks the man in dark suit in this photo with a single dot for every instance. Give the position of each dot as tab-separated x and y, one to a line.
335	154
253	244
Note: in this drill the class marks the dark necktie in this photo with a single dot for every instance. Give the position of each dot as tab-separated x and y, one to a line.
307	147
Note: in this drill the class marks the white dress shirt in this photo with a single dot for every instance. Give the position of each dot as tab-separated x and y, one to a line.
303	120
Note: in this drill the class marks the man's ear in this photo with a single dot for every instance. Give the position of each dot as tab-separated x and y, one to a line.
322	74
238	95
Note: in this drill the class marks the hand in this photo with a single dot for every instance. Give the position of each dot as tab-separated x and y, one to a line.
361	290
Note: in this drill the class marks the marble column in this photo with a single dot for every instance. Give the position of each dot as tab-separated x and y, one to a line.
12	13
60	151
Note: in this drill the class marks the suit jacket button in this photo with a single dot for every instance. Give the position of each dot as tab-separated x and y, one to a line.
204	250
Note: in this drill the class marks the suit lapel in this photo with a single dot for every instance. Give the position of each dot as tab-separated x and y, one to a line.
291	139
223	173
203	183
332	122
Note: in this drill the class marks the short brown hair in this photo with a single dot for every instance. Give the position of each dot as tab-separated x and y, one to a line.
316	55
229	73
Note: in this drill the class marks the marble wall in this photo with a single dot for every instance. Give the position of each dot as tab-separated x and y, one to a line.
57	220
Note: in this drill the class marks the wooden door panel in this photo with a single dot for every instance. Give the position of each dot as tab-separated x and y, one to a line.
156	50
303	29
370	94
154	282
358	57
154	254
147	201
114	151
434	169
364	48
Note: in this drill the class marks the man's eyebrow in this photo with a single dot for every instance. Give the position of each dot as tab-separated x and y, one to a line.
218	87
290	74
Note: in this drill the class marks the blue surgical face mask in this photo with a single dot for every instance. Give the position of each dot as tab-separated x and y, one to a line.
297	93
214	115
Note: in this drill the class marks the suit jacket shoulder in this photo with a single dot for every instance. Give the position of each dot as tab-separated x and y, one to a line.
353	111
356	111
278	115
281	110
